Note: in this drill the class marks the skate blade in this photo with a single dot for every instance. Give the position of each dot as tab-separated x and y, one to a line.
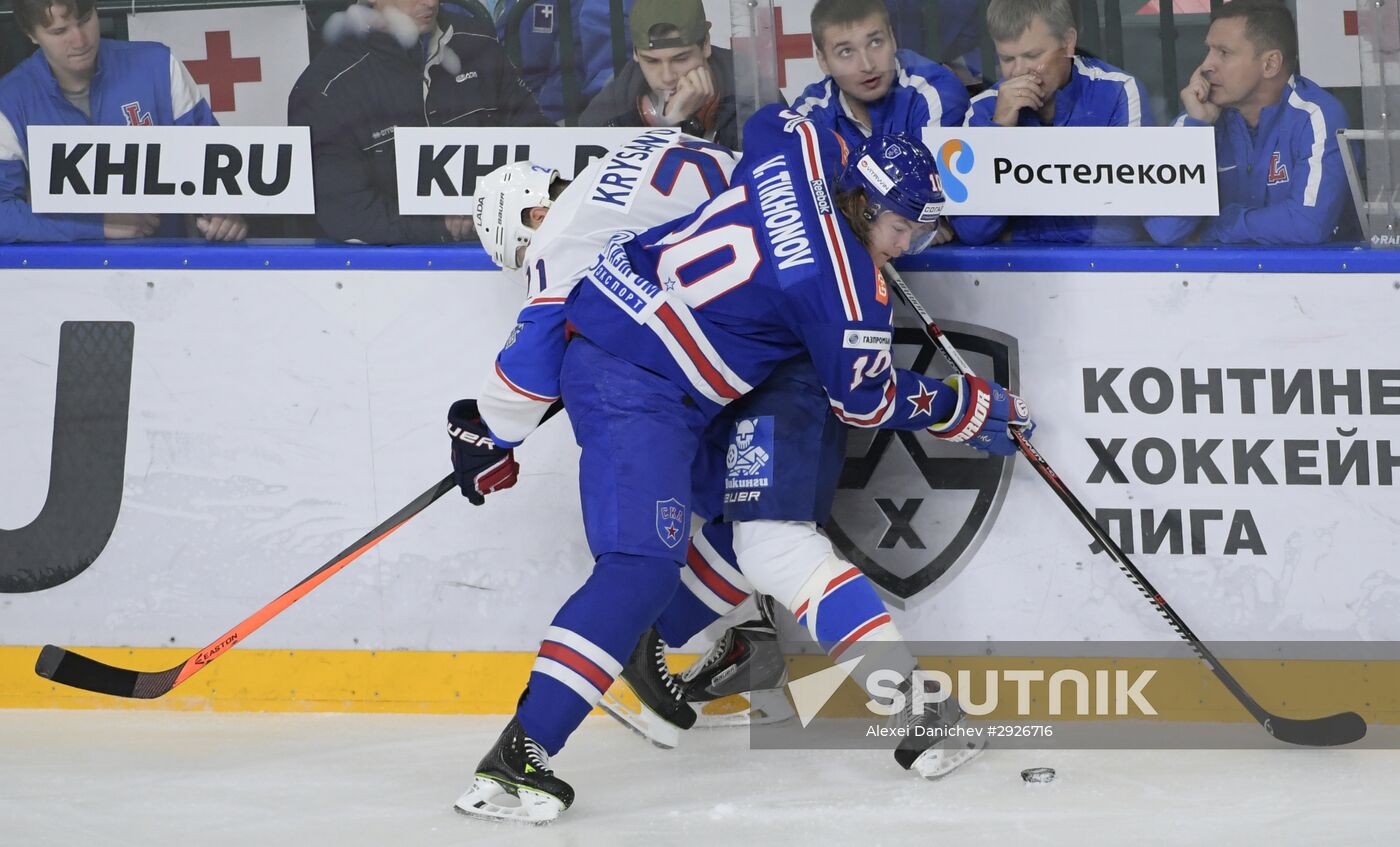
741	710
937	762
492	800
621	703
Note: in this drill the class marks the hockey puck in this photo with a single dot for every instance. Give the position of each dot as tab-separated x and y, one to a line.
1036	775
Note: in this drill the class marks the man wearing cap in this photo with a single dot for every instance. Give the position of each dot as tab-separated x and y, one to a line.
676	77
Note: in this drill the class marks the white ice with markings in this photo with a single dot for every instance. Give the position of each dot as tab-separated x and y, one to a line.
161	779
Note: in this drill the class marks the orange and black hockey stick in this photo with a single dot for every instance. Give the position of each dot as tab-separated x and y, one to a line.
79	671
1329	731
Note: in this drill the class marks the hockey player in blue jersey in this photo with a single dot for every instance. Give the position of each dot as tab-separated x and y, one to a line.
674	324
1279	167
1046	84
551	231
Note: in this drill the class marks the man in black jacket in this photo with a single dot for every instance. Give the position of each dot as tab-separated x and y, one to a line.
675	78
401	63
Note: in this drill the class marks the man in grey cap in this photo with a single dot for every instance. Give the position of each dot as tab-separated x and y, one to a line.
676	77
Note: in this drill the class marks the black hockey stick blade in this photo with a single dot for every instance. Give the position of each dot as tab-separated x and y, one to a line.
78	671
1331	731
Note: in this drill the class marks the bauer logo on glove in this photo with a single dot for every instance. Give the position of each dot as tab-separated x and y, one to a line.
983	416
479	465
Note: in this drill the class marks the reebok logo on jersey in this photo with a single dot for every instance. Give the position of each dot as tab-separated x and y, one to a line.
866	339
821	195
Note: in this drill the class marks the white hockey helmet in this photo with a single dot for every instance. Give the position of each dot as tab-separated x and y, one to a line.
501	197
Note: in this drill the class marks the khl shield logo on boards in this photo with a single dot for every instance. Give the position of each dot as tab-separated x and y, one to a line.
671	522
910	508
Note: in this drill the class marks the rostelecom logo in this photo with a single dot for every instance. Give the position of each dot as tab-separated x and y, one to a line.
954	157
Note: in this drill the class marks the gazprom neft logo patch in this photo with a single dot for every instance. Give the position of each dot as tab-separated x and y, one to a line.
865	339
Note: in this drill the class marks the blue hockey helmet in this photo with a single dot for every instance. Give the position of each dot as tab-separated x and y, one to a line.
898	175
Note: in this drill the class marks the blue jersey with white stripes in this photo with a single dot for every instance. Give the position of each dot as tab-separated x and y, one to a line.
764	271
1280	183
924	94
1097	94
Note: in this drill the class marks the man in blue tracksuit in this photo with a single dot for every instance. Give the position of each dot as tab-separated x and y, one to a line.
1279	167
1044	84
77	78
872	87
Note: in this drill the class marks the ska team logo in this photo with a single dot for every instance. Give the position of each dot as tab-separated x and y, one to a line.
748	461
671	522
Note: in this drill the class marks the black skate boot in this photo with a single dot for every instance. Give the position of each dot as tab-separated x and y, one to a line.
513	782
939	739
745	658
660	711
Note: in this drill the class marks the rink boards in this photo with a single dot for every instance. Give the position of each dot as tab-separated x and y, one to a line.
1232	417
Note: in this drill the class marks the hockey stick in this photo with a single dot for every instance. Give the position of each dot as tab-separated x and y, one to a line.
1329	731
78	671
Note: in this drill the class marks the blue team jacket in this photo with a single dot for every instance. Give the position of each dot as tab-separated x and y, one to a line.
1282	183
1097	94
924	93
540	63
137	83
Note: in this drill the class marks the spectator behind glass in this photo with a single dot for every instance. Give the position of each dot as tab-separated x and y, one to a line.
399	63
77	78
1279	168
541	62
1044	84
873	87
675	78
956	28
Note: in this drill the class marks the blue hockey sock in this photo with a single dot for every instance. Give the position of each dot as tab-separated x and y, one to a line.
589	640
711	586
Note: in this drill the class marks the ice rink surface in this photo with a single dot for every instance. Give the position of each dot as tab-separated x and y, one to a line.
79	778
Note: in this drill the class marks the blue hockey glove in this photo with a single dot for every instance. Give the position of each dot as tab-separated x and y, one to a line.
479	465
983	416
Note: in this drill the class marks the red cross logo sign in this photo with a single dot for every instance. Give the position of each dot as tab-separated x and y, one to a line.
244	60
221	71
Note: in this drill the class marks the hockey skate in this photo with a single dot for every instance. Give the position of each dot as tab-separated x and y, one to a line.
739	680
938	742
514	783
647	697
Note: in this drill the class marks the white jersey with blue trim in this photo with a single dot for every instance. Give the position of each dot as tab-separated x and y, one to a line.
656	177
765	271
